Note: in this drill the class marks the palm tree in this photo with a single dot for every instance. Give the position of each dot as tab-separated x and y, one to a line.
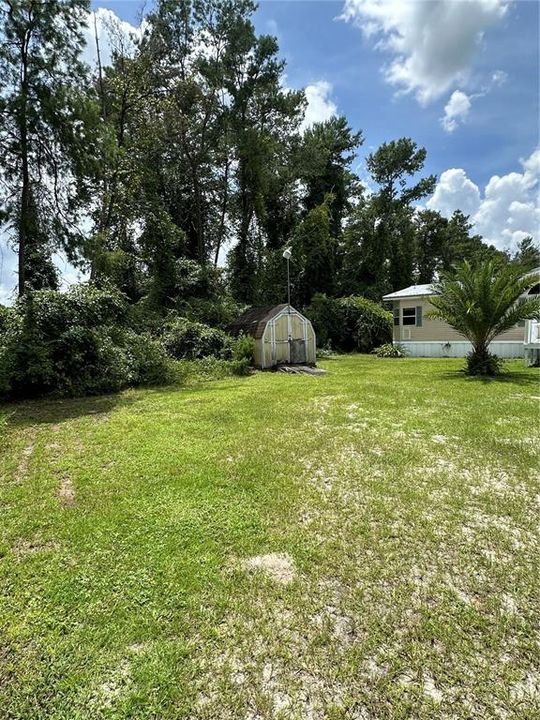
482	302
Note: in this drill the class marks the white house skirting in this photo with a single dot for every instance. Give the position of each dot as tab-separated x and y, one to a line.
436	348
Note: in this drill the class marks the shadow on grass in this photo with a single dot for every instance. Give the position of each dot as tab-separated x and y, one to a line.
52	411
529	378
23	413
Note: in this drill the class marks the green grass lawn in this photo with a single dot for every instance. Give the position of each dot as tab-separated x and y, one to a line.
402	500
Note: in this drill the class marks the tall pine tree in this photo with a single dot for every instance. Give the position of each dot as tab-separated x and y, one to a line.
44	143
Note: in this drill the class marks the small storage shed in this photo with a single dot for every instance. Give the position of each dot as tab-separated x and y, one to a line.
282	335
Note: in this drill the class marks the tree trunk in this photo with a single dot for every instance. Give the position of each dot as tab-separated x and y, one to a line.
221	229
25	220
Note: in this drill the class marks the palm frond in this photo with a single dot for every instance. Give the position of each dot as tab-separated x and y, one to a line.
485	301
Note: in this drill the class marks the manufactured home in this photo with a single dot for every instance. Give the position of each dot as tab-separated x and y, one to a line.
430	337
282	335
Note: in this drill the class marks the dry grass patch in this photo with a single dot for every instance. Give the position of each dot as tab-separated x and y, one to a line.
277	566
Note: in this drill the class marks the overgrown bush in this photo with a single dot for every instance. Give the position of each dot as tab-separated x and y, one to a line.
351	323
388	350
326	318
150	364
74	343
366	324
184	339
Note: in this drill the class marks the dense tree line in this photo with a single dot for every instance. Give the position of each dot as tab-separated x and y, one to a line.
177	173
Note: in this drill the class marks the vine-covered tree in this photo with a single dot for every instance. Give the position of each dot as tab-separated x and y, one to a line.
325	159
380	234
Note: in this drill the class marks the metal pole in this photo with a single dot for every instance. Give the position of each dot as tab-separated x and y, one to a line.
288	286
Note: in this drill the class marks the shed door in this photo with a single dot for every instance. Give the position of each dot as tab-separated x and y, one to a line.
298	352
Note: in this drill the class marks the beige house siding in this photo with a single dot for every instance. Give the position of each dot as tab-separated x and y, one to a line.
433	329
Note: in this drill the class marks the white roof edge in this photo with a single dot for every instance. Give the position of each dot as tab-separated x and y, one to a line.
415	291
410	292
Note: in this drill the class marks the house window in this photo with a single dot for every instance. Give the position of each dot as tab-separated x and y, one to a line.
409	316
396	316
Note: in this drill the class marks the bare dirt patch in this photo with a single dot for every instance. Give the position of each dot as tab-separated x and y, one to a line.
66	492
528	689
277	566
22	468
112	689
24	547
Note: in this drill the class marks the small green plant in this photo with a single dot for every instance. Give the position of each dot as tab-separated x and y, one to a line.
388	350
243	349
209	368
325	352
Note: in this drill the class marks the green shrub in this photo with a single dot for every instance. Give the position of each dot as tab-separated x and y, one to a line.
243	348
325	352
74	343
326	318
184	339
241	366
483	364
365	324
350	324
388	350
5	372
150	364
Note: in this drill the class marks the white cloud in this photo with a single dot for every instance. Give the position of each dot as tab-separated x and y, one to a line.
498	78
458	106
532	166
320	106
506	212
456	110
432	44
110	31
455	191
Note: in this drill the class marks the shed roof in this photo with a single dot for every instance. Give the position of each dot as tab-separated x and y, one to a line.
254	320
411	291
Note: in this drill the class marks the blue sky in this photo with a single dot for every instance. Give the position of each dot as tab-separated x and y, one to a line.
502	125
393	66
